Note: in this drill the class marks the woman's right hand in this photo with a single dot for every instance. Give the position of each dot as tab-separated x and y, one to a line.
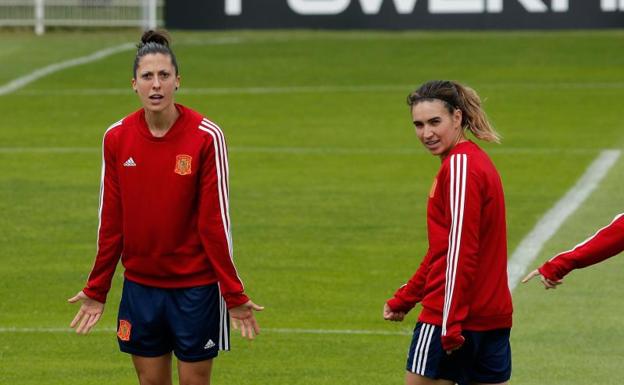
88	315
390	315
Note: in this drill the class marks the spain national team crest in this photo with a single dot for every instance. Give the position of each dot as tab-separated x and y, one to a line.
124	330
183	164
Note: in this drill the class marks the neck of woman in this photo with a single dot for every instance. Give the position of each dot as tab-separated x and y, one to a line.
160	122
460	139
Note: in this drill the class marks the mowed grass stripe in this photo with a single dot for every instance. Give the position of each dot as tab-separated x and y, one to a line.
315	150
264	330
319	89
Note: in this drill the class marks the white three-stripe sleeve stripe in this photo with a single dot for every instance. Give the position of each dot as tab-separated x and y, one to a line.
462	194
590	238
223	155
221	166
101	198
457	185
451	245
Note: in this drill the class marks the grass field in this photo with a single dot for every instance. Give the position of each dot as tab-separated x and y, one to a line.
328	193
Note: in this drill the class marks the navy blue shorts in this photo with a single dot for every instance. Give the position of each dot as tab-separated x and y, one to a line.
191	322
485	356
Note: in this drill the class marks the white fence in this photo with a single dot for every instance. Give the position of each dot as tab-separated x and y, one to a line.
81	13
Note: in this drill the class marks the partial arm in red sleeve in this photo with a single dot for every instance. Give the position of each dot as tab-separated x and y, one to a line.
214	218
110	238
464	197
408	295
606	243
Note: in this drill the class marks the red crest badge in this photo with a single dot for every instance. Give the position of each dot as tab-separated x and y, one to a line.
124	330
183	164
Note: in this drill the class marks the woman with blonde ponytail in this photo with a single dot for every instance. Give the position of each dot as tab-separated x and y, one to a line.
462	334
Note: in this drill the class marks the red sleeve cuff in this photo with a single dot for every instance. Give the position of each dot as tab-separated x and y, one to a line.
94	295
549	271
235	299
397	305
452	342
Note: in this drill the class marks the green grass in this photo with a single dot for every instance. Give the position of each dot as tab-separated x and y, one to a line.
328	193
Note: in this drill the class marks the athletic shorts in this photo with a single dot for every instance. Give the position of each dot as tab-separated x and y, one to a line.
191	322
485	356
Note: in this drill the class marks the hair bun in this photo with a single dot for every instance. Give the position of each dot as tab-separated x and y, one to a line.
152	36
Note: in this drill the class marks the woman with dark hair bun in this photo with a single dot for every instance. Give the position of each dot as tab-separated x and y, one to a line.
462	334
164	211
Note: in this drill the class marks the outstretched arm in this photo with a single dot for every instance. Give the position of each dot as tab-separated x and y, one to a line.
606	243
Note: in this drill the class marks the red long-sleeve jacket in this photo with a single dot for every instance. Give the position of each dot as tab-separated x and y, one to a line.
606	243
462	280
164	208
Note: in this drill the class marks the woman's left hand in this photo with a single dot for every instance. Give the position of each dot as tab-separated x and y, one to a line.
243	319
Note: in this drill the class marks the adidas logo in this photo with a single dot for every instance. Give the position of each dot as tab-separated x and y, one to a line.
209	344
129	163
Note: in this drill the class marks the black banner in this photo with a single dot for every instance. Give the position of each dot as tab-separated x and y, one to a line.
394	14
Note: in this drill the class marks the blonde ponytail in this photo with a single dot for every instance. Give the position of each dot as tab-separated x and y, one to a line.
455	95
475	118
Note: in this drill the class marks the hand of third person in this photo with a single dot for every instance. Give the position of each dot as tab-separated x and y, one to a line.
548	283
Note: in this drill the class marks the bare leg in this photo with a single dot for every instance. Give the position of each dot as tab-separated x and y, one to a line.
195	373
417	379
153	370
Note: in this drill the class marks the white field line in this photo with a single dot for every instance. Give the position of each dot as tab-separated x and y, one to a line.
264	330
212	41
313	89
548	225
41	72
319	150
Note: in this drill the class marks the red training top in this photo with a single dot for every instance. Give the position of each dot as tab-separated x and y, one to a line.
606	243
164	208
462	280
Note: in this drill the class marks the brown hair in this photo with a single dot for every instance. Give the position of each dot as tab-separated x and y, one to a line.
154	42
456	96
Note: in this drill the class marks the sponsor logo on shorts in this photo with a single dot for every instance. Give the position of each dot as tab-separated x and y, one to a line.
183	164
209	344
124	330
